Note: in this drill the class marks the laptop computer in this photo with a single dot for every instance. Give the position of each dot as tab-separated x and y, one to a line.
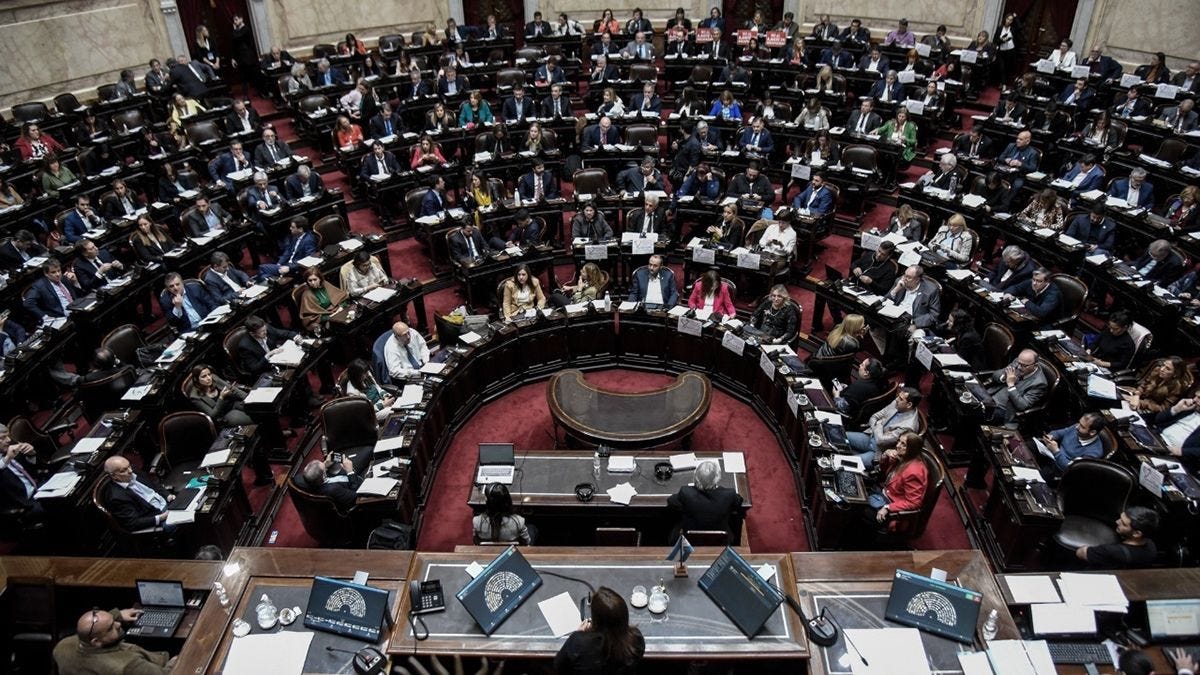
162	608
934	606
346	608
492	596
741	592
497	464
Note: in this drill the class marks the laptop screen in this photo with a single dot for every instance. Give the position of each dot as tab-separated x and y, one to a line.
934	606
496	453
1174	618
160	593
745	597
499	589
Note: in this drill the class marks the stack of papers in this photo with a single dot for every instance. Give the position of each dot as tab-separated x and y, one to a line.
290	354
377	486
379	294
1016	657
58	485
621	464
561	614
86	446
385	446
685	460
1032	590
734	462
136	393
890	651
470	337
263	394
1099	591
411	395
433	368
621	494
215	458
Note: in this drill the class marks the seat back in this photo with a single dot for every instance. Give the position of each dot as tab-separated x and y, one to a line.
529	54
203	132
390	45
1074	293
643	72
701	75
324	49
125	121
876	403
229	345
829	368
618	536
861	157
66	104
707	537
591	181
642	135
312	103
23	430
319	515
1096	489
412	201
29	615
32	111
185	436
378	361
507	78
1171	150
1143	339
124	341
349	423
105	394
331	230
997	341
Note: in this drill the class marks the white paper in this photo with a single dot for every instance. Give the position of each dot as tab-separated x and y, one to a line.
279	653
1039	657
767	365
432	368
263	394
924	355
1091	589
684	460
690	326
382	468
1029	474
181	517
1032	590
643	245
136	393
705	256
829	417
310	261
409	396
474	568
215	458
974	663
1008	657
621	494
766	571
621	464
960	275
627	306
889	651
377	486
1062	619
892	310
1101	387
380	294
291	354
87	445
951	360
677	310
470	337
734	462
387	445
59	484
1150	478
561	614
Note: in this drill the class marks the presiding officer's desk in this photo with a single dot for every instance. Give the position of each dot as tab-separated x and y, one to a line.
695	627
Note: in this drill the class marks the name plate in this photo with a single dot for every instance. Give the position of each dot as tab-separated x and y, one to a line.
595	252
643	245
1079	72
733	342
905	76
767	365
749	261
703	255
690	326
923	50
1130	80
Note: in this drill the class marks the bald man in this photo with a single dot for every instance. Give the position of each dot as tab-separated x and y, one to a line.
98	646
405	352
134	501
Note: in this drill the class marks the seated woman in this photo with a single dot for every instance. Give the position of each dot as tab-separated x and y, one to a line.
1162	386
498	523
825	83
904	221
1182	212
903	479
474	111
813	116
182	108
55	176
347	134
360	382
711	293
171	183
867	381
1155	72
522	292
1114	346
9	195
533	140
726	107
1100	132
150	240
845	338
220	400
901	131
610	103
730	230
439	119
960	327
954	241
1044	211
426	153
585	289
689	103
606	643
480	196
319	300
765	110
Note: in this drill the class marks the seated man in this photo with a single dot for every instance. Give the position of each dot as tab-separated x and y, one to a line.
706	506
184	305
638	179
876	270
779	237
467	244
603	134
1134	189
1014	267
1077	94
1042	298
647	102
517	108
1009	108
339	482
207	218
1085	176
886	426
1179	427
549	72
1160	263
973	144
20	248
94	267
271	150
404	352
122	203
775	320
1133	105
864	120
299	244
590	224
1018	387
304	183
434	201
756	139
1181	118
52	294
919	296
80	220
242	119
538	185
98	646
943	176
647	220
654	285
639	48
260	197
134	501
17	482
1081	439
232	161
258	345
556	105
1021	157
1095	229
379	162
753	184
525	231
816	200
224	281
1136	527
836	57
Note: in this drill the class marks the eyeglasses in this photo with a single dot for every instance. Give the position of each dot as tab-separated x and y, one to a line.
95	618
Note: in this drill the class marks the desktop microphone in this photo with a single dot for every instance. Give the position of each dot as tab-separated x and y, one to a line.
820	631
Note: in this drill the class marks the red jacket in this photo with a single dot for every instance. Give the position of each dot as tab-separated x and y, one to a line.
24	147
905	488
722	303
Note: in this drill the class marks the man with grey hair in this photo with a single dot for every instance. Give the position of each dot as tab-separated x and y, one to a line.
943	175
338	481
304	183
1134	189
707	505
647	221
1160	263
262	196
1014	267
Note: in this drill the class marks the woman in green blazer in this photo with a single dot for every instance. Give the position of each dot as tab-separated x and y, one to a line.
901	130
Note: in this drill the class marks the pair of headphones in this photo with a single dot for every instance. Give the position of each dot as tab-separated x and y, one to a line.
585	491
663	471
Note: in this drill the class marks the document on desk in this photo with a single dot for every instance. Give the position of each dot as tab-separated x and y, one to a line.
622	493
1032	590
263	394
1029	474
561	614
1062	619
951	360
216	458
289	354
281	653
684	460
433	368
136	393
892	310
888	651
377	486
974	663
88	445
1015	657
1102	388
470	337
379	294
409	396
734	462
59	484
1094	590
830	417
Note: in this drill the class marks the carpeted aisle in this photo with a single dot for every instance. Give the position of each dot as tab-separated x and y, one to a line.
521	417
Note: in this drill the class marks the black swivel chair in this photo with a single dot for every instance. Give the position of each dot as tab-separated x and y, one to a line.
1092	494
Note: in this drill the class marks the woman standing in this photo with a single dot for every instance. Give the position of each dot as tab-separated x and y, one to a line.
204	50
604	645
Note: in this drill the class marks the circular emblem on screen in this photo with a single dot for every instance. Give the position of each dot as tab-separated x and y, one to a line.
493	592
928	602
347	598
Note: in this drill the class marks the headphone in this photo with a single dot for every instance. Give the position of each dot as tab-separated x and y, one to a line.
585	491
663	471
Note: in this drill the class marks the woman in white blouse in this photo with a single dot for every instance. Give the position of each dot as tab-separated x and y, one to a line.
1063	58
813	116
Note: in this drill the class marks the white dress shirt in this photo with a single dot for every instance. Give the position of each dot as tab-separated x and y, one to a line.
399	358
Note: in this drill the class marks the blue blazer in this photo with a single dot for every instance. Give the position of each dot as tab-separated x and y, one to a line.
1089	183
220	291
1070	449
293	187
1120	188
877	90
201	301
1045	306
1028	156
432	204
42	300
842	60
1082	102
333	75
866	60
1104	235
74	227
85	273
641	281
822	205
307	247
224	165
765	142
15	331
654	106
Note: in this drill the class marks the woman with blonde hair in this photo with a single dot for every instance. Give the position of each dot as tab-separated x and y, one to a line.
845	338
904	221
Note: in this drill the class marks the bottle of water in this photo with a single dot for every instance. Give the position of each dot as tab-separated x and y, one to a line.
954	184
607	302
990	627
596	465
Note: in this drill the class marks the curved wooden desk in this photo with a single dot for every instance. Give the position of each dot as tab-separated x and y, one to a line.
598	416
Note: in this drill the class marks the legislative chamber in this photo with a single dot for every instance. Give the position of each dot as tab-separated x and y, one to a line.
512	337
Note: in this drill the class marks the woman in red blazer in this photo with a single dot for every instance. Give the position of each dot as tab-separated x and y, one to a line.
905	479
712	293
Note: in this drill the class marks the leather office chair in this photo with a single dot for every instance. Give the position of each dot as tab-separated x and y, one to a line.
591	181
204	133
45	440
378	362
127	122
755	233
331	230
1092	495
875	404
997	342
101	395
412	202
530	55
320	515
642	135
30	629
33	111
349	425
1074	294
106	92
125	341
618	536
66	104
1143	340
826	369
866	158
1033	418
911	524
390	45
643	72
324	50
708	537
312	103
183	436
230	345
136	541
1171	150
700	78
507	78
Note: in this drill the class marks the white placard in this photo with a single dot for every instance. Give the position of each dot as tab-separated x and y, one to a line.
801	171
905	76
733	342
1044	66
706	256
643	245
749	261
968	56
923	50
1130	80
1151	478
915	107
595	252
1165	90
870	242
767	365
690	326
1078	72
924	355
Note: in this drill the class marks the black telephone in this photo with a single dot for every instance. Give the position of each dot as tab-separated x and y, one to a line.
426	596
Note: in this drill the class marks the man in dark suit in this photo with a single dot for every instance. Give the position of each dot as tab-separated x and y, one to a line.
654	285
874	60
865	119
824	29
752	182
1104	66
191	78
556	105
93	266
816	199
756	139
416	87
707	505
123	203
184	305
525	231
836	57
17	482
242	119
327	75
228	162
1160	263
1133	105
856	33
262	196
450	83
339	482
298	245
1014	267
538	28
637	179
1094	229
1042	298
434	201
303	183
385	122
467	244
21	247
973	144
1134	190
136	502
1182	117
261	341
603	71
455	33
492	30
81	219
647	220
518	108
538	184
604	133
876	270
12	334
271	150
51	294
1077	94
1188	80
1008	108
208	217
647	102
380	162
549	73
222	280
605	46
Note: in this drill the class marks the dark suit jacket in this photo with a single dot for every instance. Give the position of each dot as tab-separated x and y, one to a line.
1165	271
962	146
1179	78
290	253
221	291
1120	188
233	125
766	143
635	222
609	73
262	156
86	275
225	164
12	490
1024	273
525	186
377	125
508	111
1089	183
10	257
293	187
713	509
421	88
201	301
432	203
1171	117
1082	102
1141	106
460	86
865	61
591	137
1047	306
250	355
1107	67
370	165
186	81
843	59
198	226
130	510
653	106
874	121
641	281
1191	445
1103	235
883	274
335	76
459	250
42	300
563	108
926	307
631	180
167	191
543	74
111	206
821	205
1016	114
254	196
761	187
75	226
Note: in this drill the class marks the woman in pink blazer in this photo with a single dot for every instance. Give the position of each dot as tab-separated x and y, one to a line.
710	292
905	479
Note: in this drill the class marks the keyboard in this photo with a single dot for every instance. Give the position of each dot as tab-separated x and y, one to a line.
847	486
1169	652
1079	652
494	471
159	618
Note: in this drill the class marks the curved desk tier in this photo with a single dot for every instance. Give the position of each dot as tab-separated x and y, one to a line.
598	416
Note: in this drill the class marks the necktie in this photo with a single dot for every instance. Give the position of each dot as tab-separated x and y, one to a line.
537	188
642	51
648	225
387	127
714	54
271	151
295	248
811	198
862	123
26	479
754	140
412	360
62	289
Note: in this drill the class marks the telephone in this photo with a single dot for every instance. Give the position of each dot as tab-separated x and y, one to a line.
426	596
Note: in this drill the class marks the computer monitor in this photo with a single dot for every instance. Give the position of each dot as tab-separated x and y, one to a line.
160	593
740	591
496	453
934	606
497	592
346	608
1175	618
